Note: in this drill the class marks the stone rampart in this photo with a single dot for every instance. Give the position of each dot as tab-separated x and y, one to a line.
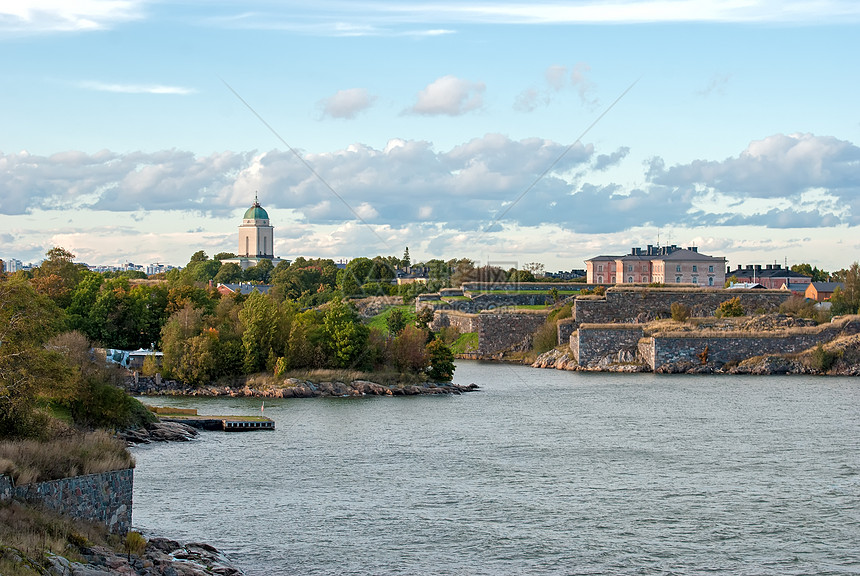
721	349
643	305
501	332
565	327
105	497
462	322
486	301
592	345
519	286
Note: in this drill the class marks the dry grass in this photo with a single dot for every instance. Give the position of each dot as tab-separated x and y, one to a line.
29	461
27	532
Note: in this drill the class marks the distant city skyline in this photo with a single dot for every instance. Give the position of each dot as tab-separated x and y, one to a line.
140	131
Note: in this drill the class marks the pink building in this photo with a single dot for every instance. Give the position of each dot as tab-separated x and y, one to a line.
661	264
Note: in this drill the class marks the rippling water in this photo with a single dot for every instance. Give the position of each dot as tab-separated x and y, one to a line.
542	472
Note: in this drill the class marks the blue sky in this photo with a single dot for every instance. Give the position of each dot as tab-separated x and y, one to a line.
141	130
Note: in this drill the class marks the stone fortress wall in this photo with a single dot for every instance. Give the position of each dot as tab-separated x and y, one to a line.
105	497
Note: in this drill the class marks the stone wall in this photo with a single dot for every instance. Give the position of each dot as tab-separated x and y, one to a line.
668	349
481	302
105	498
592	345
520	286
643	305
565	327
500	332
462	322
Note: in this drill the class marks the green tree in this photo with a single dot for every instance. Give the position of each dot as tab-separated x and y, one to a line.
57	276
846	298
229	273
406	261
354	276
396	321
345	335
407	352
812	271
27	320
259	317
261	273
441	362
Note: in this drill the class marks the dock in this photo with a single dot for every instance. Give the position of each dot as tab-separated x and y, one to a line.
189	417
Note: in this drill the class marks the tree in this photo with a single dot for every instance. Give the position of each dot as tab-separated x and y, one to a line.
408	352
57	276
396	321
354	276
345	335
536	268
261	273
229	273
846	298
27	320
441	362
813	272
259	317
406	261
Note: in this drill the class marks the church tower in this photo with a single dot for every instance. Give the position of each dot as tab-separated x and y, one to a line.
256	235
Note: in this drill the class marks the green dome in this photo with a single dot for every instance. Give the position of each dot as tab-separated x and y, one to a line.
256	212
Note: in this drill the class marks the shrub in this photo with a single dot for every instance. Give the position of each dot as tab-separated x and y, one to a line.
600	290
730	308
545	338
680	312
822	359
134	543
102	405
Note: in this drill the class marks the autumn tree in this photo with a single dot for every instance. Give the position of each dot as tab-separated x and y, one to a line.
846	298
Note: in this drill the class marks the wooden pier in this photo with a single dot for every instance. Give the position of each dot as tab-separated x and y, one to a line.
190	417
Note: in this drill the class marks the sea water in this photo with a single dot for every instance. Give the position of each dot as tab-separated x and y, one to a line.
541	472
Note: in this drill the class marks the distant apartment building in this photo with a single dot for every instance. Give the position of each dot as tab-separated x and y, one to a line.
661	264
12	265
772	276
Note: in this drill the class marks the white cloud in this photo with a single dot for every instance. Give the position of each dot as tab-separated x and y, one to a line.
779	182
347	103
449	95
41	16
137	88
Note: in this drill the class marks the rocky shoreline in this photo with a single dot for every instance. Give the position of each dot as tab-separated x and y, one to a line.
293	388
162	557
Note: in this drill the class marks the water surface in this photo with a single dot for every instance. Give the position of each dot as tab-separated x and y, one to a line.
543	472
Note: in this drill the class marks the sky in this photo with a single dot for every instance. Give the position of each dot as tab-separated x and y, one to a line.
505	132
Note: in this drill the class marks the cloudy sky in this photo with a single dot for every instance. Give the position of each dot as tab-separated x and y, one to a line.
506	132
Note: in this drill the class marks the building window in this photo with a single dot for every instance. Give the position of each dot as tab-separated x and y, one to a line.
695	279
630	267
711	280
677	279
695	268
600	267
613	279
678	268
644	278
630	279
600	279
710	269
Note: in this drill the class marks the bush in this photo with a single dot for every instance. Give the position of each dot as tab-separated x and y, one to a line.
680	312
822	359
730	308
134	543
102	405
545	338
